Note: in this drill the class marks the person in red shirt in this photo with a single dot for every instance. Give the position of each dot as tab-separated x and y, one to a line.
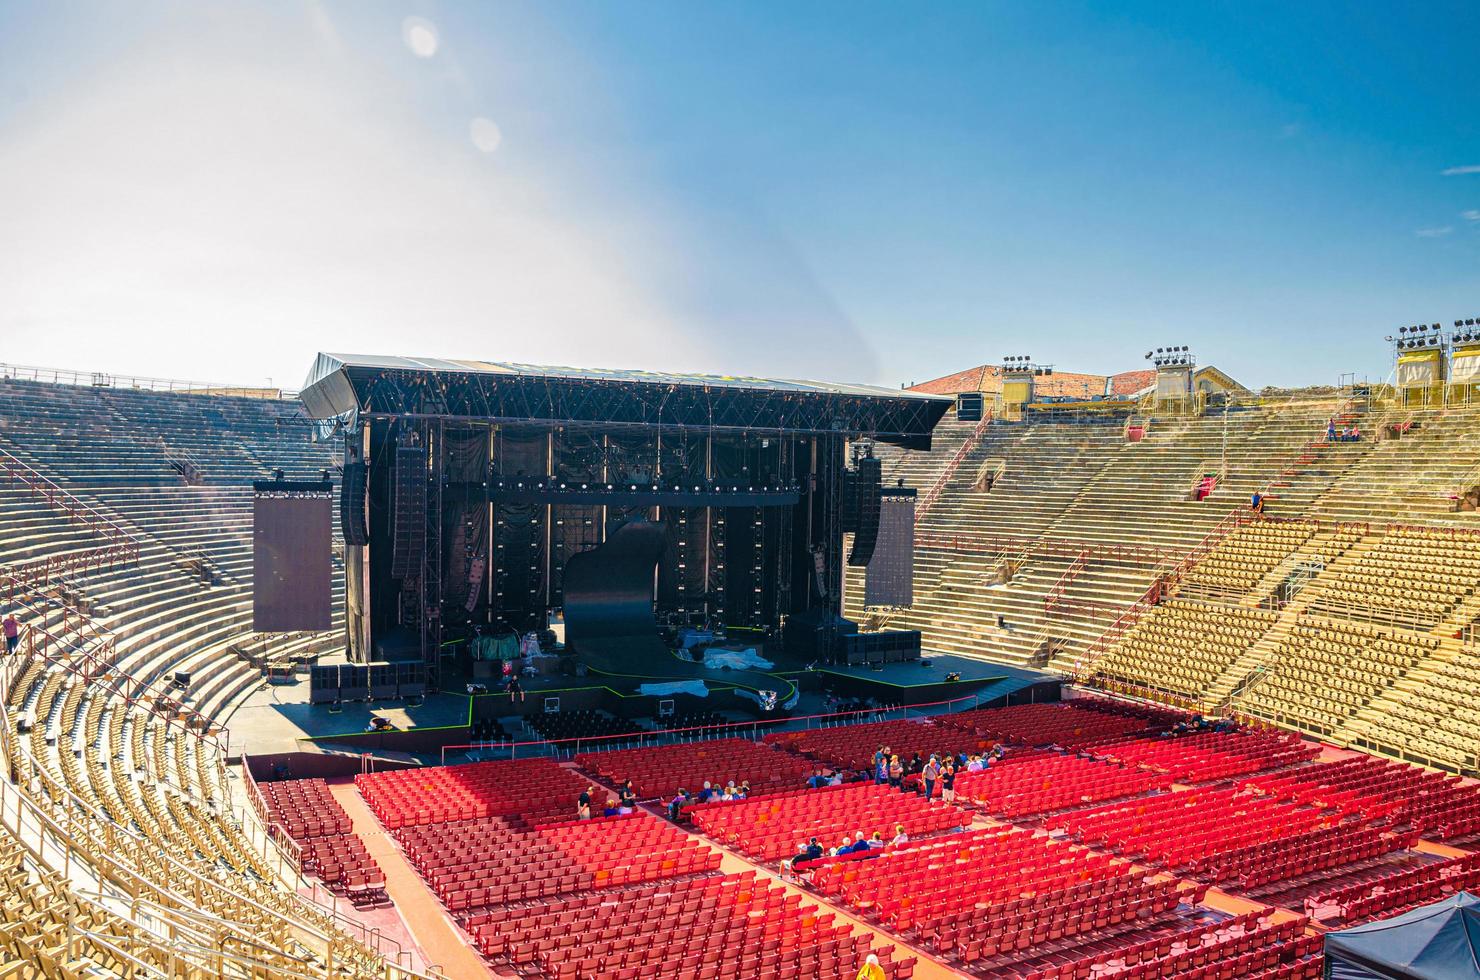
12	628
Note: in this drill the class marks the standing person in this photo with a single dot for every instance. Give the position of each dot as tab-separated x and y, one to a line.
881	765
1331	431
12	633
928	775
871	970
583	804
948	783
896	772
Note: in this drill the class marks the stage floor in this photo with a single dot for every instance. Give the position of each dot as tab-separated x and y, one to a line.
278	718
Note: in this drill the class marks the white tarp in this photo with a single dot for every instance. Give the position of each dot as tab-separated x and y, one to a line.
746	659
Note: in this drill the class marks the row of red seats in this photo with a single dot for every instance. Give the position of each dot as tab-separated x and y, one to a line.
1301	958
1070	724
305	808
1380	788
488	862
660	772
307	811
527	789
950	872
1200	944
735	925
1014	928
1209	756
1054	782
1189	829
1310	855
346	868
1397	892
853	746
775	826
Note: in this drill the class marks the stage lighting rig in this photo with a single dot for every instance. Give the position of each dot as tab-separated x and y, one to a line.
1023	364
1177	355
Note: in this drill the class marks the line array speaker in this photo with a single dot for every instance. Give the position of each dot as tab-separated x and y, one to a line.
866	533
352	523
409	513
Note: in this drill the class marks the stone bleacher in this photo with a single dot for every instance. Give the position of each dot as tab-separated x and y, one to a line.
175	470
1078	525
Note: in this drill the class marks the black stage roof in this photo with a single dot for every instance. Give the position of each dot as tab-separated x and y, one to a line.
352	385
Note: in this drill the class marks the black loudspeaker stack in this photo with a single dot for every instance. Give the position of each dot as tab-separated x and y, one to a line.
352	522
409	511
866	531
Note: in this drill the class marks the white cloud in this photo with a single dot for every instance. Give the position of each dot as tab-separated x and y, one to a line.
1460	171
1471	215
1434	232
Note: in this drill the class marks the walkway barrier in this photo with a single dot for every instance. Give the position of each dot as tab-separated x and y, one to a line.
569	747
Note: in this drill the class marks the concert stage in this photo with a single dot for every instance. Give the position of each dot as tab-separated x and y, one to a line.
483	501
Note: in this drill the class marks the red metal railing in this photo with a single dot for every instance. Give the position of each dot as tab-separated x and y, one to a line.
938	488
596	743
1056	592
1063	547
20	473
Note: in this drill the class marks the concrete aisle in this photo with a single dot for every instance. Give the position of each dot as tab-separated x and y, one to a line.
440	940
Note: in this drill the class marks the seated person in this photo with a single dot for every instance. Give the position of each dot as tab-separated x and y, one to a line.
810	851
613	808
676	805
817	780
876	842
900	837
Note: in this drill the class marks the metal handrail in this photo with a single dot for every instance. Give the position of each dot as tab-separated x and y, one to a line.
72	807
598	743
97	379
74	506
937	489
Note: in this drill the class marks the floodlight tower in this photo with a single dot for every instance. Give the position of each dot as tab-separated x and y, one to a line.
1019	374
1175	366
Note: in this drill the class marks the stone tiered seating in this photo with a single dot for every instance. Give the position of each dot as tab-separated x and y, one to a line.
186	604
1411	478
1068	488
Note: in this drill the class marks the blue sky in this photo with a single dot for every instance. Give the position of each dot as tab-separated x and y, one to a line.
858	191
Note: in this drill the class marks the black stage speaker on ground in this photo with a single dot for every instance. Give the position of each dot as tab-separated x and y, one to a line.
866	531
292	549
323	683
409	511
890	578
970	406
352	522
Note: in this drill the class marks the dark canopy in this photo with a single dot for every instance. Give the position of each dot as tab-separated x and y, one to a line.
347	385
1436	942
